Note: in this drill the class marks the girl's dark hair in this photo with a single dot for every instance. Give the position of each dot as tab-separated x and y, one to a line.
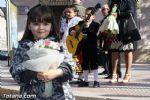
41	13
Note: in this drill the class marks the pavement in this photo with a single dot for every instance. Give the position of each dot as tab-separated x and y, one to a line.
138	88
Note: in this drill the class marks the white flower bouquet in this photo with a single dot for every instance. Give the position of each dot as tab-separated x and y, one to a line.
109	27
44	55
110	22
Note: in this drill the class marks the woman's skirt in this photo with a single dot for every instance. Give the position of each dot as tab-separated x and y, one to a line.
118	46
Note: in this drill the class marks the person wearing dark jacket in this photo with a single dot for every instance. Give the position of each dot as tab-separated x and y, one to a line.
124	10
89	48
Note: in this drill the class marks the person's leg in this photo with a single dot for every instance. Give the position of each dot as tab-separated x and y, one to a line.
95	71
86	73
81	76
85	82
85	68
129	60
105	63
119	68
110	64
96	83
115	59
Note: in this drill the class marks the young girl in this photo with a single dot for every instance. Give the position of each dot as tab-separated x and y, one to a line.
66	23
40	25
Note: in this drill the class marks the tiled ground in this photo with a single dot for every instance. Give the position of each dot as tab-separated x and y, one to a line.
139	87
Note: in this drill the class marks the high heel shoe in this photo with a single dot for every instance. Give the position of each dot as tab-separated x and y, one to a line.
127	78
114	78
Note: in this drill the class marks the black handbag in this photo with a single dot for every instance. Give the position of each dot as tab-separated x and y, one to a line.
132	35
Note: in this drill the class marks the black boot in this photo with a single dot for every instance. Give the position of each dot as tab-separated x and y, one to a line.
96	84
76	82
83	84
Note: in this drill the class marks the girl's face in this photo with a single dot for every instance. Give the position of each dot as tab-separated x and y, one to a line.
40	30
70	13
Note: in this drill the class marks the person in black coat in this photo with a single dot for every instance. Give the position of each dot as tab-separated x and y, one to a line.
124	10
88	47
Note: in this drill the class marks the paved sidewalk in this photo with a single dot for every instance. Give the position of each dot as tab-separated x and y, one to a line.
138	88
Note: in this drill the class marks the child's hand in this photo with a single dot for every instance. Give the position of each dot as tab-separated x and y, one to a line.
49	75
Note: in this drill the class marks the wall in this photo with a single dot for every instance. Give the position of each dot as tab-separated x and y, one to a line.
142	55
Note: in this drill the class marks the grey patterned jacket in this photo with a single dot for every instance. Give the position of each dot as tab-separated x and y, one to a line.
29	84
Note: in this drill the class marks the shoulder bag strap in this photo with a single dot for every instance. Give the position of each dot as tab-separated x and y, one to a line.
133	20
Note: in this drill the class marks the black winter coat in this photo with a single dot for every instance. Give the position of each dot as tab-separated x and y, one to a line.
125	7
89	47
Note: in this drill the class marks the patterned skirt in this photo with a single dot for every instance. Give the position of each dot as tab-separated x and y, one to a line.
118	46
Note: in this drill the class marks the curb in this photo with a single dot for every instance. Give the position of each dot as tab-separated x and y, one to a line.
10	91
7	91
91	98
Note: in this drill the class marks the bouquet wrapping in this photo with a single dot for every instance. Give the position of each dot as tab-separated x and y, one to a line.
110	24
109	27
44	55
